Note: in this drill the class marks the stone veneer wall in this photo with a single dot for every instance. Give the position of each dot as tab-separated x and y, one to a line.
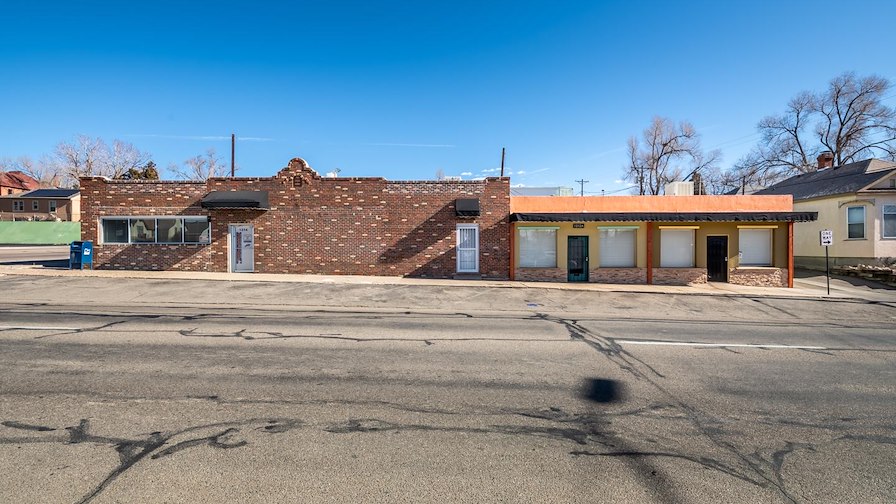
679	276
758	277
618	275
540	274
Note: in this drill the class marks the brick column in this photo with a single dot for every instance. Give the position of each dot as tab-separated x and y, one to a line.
790	254
512	242
649	253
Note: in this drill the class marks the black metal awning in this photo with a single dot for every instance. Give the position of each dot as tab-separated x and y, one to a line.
667	217
467	207
238	200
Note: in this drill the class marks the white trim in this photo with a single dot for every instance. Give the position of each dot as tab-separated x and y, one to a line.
864	223
883	220
457	231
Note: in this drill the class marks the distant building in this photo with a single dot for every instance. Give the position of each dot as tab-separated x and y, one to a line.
42	205
857	201
541	191
13	182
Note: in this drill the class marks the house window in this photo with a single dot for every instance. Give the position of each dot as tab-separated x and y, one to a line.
855	222
755	247
52	205
35	205
538	248
889	219
677	248
171	230
18	206
617	247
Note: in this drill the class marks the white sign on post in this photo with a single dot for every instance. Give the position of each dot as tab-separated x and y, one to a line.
827	237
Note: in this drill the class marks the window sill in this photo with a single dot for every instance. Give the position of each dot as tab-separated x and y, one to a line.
855	239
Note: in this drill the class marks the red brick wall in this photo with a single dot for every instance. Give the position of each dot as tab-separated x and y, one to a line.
367	226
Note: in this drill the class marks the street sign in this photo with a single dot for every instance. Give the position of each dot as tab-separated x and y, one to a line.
827	237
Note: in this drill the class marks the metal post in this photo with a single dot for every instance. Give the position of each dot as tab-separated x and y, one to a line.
827	268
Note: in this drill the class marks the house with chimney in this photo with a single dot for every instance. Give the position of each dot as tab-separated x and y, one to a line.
857	201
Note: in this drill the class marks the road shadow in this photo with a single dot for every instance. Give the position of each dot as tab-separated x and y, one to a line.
854	281
602	391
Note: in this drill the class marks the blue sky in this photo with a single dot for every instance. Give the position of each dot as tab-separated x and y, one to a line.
403	89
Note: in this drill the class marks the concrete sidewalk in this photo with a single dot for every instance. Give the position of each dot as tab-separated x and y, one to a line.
803	288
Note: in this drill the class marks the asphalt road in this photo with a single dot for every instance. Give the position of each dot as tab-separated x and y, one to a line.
172	391
28	254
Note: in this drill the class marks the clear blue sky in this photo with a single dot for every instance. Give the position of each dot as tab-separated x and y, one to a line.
402	89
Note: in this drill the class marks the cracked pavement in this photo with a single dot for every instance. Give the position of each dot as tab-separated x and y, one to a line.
166	391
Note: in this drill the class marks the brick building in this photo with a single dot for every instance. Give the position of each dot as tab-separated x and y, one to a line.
299	222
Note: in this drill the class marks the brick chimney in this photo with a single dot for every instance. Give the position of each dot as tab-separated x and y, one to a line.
825	160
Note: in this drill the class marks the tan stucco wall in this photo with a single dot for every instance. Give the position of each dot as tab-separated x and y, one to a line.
592	231
731	230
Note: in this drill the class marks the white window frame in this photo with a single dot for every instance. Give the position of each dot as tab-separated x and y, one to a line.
51	205
18	206
864	223
693	259
458	248
35	205
155	219
883	220
600	237
520	261
771	245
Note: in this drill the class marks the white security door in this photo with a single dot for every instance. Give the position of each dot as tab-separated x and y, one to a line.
242	248
468	248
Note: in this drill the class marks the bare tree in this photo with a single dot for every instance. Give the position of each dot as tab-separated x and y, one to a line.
848	119
123	158
42	170
199	167
83	157
662	156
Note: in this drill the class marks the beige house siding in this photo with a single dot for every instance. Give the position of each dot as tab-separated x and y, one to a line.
832	214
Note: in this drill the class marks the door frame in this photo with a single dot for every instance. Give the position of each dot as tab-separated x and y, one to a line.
586	258
231	250
727	256
457	229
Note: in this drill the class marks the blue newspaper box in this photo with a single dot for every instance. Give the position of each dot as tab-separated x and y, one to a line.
80	255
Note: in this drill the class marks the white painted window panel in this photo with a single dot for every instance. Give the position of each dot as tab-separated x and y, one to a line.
756	247
676	248
889	230
538	248
618	248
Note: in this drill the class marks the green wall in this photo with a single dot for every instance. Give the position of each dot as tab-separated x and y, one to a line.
39	233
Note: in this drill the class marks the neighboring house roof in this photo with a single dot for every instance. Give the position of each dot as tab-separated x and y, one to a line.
848	178
50	193
18	180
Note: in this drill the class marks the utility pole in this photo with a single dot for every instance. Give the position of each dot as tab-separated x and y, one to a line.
582	186
232	155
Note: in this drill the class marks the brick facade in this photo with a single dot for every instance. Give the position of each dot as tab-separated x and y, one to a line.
361	226
758	277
